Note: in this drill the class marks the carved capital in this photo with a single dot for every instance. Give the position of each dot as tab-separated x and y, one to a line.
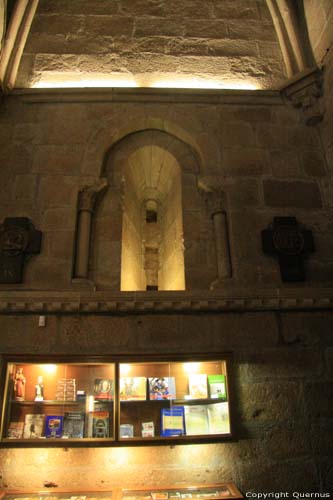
215	201
304	92
88	195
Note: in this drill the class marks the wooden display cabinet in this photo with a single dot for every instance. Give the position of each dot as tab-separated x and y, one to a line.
218	491
115	400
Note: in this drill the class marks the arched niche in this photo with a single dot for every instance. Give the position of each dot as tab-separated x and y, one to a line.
138	229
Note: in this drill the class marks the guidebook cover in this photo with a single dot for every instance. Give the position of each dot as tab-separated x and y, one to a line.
33	425
196	420
103	388
218	418
162	388
172	421
53	426
133	388
198	386
73	424
98	424
217	387
126	430
15	430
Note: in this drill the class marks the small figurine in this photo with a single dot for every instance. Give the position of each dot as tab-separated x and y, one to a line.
19	385
39	389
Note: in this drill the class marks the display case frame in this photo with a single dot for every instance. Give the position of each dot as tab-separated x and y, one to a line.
219	491
118	361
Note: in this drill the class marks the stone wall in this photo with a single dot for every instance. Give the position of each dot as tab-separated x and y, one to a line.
282	381
142	43
266	161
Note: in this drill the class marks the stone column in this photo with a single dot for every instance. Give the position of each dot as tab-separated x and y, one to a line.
289	20
87	200
14	42
216	204
2	21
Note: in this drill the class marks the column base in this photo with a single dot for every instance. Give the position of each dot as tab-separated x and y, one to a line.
220	283
84	283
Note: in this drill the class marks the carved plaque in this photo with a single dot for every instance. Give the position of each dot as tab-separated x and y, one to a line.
18	241
289	243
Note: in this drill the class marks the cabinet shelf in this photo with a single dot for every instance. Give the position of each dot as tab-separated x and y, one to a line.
218	491
171	402
47	402
102	415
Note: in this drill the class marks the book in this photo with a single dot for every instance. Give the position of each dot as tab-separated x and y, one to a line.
218	418
98	424
53	426
162	388
103	388
133	388
147	429
126	431
196	420
207	419
73	424
197	384
15	430
172	421
217	387
33	426
66	389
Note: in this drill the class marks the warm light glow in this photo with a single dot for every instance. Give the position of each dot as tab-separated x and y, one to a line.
70	80
191	367
191	455
50	369
170	81
125	370
197	83
121	456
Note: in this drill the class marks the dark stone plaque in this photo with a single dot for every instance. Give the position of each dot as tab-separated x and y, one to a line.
18	241
286	240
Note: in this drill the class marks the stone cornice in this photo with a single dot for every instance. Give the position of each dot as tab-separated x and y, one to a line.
303	91
84	302
142	95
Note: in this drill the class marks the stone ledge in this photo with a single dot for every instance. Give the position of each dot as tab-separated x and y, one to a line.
86	302
177	96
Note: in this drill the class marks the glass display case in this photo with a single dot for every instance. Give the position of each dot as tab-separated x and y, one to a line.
116	401
209	492
213	492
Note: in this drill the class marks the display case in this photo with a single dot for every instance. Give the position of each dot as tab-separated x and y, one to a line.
116	400
209	492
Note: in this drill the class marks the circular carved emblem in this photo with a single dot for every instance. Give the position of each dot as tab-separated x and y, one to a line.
13	241
288	241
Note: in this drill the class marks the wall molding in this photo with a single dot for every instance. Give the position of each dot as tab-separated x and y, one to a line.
103	302
156	95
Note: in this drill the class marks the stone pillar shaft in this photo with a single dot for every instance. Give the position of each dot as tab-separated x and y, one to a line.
83	244
221	245
216	203
87	199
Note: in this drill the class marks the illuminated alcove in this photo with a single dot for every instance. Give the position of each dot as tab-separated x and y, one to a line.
138	235
152	255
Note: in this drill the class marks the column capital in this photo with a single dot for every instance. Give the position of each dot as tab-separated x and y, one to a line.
88	195
303	91
215	201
